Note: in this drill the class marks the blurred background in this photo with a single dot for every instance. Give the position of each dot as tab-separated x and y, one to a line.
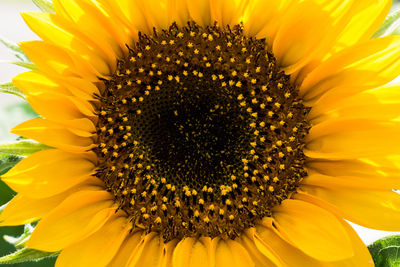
13	111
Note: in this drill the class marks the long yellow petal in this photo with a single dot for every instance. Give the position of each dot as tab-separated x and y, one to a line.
157	13
130	14
179	11
368	169
352	139
301	35
22	209
361	257
53	134
372	183
84	15
54	60
193	252
59	107
182	253
148	252
379	104
307	226
227	12
366	66
262	18
367	17
79	87
40	175
291	256
99	248
37	82
127	247
260	251
370	208
232	253
52	28
79	216
200	11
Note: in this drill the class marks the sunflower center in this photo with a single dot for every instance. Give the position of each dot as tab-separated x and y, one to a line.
200	133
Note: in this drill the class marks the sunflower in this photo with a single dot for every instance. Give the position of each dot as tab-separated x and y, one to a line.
209	133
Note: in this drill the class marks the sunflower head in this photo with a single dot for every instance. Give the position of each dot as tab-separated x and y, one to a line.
208	133
200	133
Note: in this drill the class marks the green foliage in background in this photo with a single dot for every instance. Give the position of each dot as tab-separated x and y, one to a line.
386	252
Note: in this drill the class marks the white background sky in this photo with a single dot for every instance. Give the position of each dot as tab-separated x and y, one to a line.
13	28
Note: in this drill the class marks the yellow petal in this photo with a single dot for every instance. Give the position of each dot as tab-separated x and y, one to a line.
290	255
191	252
52	29
130	14
228	12
182	253
317	179
37	82
199	256
200	11
378	104
81	127
148	252
53	134
127	247
343	14
369	169
308	226
157	13
370	208
55	60
232	253
261	253
99	248
361	257
117	31
23	210
179	11
169	248
58	107
366	19
302	34
262	18
77	217
88	18
81	88
40	175
367	65
352	139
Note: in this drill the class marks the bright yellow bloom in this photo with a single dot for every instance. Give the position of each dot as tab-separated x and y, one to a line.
209	133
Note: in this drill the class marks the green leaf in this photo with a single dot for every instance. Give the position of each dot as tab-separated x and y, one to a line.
10	88
22	148
389	26
44	5
19	242
386	251
26	254
15	48
26	65
7	162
